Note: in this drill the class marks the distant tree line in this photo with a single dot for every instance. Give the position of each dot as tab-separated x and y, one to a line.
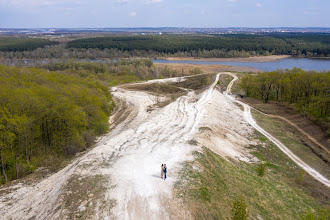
212	45
13	44
204	46
308	90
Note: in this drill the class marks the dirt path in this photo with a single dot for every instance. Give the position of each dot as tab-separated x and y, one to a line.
309	137
297	160
160	137
128	159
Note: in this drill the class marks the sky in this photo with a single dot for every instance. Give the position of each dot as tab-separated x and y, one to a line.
163	13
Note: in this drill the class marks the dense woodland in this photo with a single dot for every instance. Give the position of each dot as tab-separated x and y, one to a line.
49	114
13	44
214	45
309	91
207	46
45	116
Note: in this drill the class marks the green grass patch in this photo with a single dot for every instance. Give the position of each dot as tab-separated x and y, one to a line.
290	138
209	192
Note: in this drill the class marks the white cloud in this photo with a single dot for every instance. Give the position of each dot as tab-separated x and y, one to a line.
153	1
132	14
36	3
122	1
258	5
232	0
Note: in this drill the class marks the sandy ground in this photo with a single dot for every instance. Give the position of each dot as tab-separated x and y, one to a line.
129	158
271	58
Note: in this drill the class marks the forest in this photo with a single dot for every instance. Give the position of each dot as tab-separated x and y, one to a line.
50	113
215	45
154	46
13	44
45	116
307	90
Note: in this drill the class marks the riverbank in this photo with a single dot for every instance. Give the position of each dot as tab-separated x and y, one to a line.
256	59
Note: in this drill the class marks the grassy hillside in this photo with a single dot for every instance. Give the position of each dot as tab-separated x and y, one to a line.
212	187
214	184
210	184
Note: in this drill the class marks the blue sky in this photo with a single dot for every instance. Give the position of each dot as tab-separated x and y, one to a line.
164	13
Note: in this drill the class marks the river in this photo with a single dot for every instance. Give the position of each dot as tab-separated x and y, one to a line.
287	63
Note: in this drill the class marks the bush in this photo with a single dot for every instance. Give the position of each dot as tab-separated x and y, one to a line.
261	169
239	209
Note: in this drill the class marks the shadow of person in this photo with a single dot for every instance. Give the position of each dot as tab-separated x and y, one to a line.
156	176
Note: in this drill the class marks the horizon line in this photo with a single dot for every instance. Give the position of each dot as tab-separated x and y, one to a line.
315	27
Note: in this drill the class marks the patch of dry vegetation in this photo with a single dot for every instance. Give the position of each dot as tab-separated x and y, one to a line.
158	88
197	82
82	196
223	82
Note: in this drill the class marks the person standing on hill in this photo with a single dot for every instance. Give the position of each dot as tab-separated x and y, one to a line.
162	171
165	171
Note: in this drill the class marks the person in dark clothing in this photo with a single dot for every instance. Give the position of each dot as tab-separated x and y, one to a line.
165	171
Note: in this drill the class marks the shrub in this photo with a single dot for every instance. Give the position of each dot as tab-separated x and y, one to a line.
239	209
261	169
192	142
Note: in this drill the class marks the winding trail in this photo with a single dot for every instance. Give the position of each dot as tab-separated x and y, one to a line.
129	158
252	122
309	137
159	137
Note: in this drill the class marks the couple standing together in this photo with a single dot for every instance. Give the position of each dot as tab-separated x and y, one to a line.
163	171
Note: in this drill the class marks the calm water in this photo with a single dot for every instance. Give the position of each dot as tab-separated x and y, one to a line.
287	63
